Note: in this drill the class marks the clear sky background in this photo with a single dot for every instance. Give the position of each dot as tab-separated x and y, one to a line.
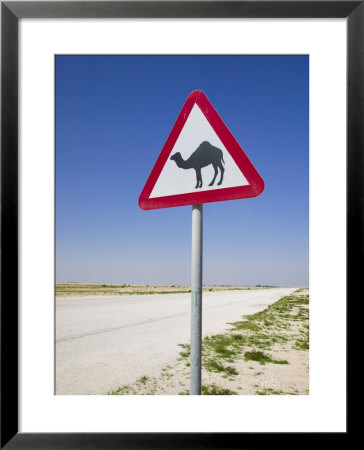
113	116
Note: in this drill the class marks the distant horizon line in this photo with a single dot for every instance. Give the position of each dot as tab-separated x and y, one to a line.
177	284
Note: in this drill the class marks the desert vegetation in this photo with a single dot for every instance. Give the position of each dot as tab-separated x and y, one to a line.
83	289
263	354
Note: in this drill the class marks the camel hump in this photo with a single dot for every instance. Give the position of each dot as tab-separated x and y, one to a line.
205	146
204	155
211	150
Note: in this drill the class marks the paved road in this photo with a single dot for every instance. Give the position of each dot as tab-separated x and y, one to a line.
105	342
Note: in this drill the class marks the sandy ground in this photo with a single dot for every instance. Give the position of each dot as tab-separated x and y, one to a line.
252	378
103	343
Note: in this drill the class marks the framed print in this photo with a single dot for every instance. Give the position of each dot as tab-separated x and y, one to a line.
81	76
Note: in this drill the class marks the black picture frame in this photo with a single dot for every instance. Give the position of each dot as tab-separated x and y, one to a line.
11	12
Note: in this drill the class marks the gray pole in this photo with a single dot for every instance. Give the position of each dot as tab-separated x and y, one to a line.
196	301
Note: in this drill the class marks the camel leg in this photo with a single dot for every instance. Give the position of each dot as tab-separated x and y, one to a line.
222	170
213	180
199	179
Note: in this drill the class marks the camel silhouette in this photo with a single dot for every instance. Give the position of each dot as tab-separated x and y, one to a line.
204	155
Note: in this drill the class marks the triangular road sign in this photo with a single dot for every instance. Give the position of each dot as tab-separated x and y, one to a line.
200	162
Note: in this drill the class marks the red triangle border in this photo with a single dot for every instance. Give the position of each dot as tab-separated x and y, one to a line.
253	189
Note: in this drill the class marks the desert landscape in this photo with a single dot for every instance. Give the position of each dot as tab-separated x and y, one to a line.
255	340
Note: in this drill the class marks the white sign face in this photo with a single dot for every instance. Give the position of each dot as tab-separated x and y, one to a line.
200	162
178	176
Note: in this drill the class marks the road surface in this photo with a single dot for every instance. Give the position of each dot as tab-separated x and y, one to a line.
103	343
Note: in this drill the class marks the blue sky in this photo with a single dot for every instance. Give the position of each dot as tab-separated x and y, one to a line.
113	116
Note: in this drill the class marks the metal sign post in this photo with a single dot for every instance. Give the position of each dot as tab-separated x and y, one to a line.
200	162
196	301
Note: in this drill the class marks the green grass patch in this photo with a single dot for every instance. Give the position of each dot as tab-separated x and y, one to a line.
123	390
248	325
214	366
262	358
224	346
302	344
213	389
187	350
143	379
269	391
